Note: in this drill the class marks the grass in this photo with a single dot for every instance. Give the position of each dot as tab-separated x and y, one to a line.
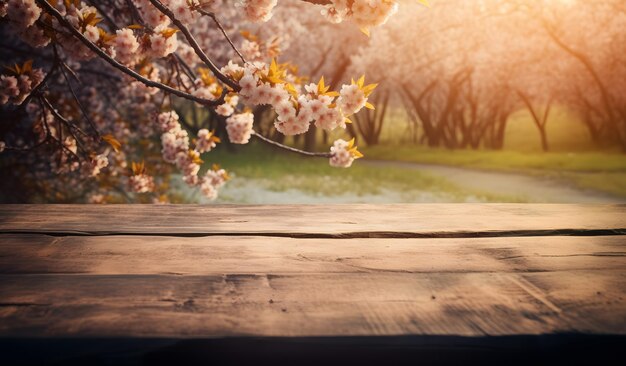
516	161
280	171
600	171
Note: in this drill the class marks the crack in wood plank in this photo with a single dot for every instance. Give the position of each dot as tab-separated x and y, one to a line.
346	235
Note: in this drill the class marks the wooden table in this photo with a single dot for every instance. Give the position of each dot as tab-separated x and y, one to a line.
414	284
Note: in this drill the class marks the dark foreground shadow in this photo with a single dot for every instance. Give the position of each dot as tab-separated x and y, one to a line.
562	349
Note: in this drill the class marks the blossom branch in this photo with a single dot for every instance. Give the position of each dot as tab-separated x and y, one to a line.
196	47
94	48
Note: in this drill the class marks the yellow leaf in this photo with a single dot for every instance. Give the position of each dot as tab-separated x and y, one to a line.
291	90
321	86
369	105
351	143
109	139
195	157
368	89
361	81
249	36
168	32
365	31
134	26
138	168
424	2
89	18
28	66
355	153
347	120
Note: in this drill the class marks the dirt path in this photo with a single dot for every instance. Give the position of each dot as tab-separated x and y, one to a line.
532	189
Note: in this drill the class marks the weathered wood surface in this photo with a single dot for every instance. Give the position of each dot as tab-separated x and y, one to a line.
317	220
217	255
158	275
325	304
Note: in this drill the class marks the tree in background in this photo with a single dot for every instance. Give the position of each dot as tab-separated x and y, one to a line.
463	67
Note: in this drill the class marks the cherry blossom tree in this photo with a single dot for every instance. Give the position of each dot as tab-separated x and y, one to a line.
96	93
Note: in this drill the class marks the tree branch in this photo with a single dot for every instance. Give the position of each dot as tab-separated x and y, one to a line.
289	148
219	25
50	9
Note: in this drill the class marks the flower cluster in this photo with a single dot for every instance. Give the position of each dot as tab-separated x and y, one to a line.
262	84
17	85
96	164
163	42
182	9
343	153
206	141
365	13
206	86
85	19
212	181
140	182
126	46
151	15
23	13
176	150
258	10
228	107
239	127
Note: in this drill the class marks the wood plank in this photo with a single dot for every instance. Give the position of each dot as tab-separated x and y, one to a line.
216	255
335	304
317	220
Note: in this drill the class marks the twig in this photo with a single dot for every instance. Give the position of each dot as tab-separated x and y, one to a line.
80	105
186	67
219	25
289	148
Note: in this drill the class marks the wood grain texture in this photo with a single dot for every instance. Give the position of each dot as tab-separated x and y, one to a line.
347	304
317	220
217	255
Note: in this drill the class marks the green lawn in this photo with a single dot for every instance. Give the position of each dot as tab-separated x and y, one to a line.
280	171
602	171
517	161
